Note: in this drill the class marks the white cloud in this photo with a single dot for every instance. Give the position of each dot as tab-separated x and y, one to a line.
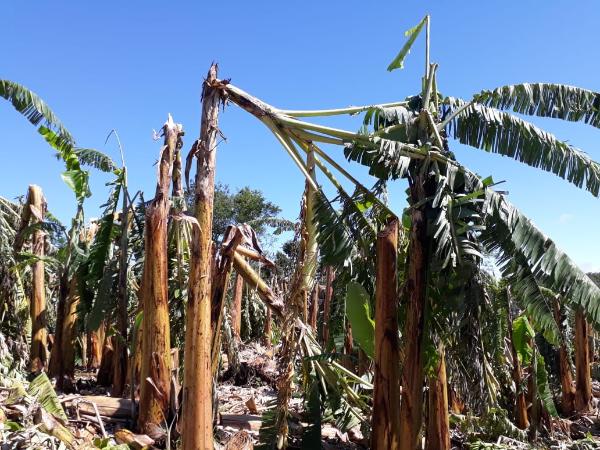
565	218
588	267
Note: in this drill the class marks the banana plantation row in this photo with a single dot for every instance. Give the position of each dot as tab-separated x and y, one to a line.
389	320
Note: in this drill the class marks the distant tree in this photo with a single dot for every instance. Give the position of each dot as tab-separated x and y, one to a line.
285	258
243	206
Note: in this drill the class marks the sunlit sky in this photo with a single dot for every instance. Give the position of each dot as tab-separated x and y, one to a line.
125	64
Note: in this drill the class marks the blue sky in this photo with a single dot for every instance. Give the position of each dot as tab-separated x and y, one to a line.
126	64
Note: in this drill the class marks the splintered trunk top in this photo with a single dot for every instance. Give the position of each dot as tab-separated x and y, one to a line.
197	391
156	355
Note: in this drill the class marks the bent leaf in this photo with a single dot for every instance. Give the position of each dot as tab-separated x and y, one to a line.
42	389
558	101
544	391
359	314
398	62
523	333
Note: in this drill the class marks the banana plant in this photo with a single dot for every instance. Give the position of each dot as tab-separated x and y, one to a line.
49	126
453	213
14	307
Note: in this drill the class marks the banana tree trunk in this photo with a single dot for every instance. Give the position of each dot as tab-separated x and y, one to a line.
95	341
84	348
156	346
55	368
236	306
69	332
309	269
438	424
329	278
521	416
305	308
457	406
385	427
314	308
300	287
411	409
267	330
135	362
567	401
104	376
39	333
583	392
69	322
534	400
221	272
197	386
120	352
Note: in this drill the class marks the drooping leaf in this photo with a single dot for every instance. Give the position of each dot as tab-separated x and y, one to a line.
522	335
33	108
311	435
37	112
552	268
543	385
77	180
96	159
386	159
41	388
358	310
398	61
104	301
335	242
517	270
93	277
558	101
526	289
267	437
499	132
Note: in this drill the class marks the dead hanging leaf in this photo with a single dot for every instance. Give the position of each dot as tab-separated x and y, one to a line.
50	425
182	217
188	162
174	397
242	238
156	389
155	432
160	158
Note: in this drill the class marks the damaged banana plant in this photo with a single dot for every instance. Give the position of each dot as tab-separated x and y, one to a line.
453	213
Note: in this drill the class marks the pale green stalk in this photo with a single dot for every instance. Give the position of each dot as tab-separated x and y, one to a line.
337	111
291	151
343	171
451	117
